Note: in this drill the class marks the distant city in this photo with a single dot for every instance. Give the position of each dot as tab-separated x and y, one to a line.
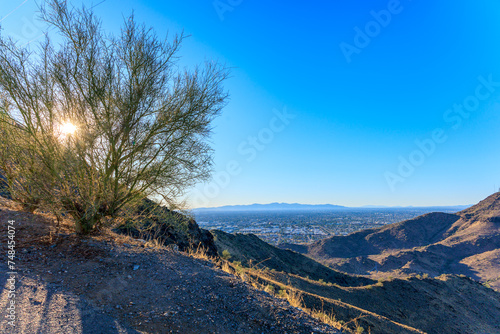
300	226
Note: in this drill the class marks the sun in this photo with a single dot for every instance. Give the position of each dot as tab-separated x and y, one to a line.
68	128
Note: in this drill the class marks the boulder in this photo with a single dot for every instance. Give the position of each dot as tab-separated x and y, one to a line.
153	221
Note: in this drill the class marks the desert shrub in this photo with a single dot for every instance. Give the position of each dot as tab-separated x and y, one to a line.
269	289
95	123
226	255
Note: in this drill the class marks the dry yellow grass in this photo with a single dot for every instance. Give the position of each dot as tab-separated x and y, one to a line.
294	297
199	252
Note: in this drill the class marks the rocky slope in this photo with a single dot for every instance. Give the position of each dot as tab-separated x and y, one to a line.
252	251
155	222
111	283
446	304
467	242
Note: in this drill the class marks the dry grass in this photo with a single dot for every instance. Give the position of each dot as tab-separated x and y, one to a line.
225	266
199	252
294	297
9	204
327	318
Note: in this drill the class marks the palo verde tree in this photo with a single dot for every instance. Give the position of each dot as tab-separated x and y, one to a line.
95	122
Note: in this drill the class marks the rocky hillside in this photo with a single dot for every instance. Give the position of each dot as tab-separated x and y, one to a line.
446	304
111	283
467	243
158	223
252	251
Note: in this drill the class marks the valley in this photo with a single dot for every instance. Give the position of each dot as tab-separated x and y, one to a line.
300	226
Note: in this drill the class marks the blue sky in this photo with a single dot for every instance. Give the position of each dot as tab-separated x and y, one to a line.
341	102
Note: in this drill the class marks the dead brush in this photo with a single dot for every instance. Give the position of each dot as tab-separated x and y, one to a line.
199	252
294	297
357	327
326	317
225	266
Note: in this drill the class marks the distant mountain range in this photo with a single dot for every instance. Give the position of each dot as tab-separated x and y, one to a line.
312	207
274	207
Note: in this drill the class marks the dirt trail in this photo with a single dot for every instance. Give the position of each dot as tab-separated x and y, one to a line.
43	308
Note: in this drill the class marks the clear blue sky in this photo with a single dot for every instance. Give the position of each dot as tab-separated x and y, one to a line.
359	101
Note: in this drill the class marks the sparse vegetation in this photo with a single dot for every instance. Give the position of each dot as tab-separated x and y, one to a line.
226	255
152	222
269	289
252	275
327	318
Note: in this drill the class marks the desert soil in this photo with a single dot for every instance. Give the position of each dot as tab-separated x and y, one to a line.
115	284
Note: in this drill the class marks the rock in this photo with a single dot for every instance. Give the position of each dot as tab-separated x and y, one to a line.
169	227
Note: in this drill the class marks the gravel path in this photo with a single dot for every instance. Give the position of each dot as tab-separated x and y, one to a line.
42	307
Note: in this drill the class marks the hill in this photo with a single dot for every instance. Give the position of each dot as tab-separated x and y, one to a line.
250	250
467	242
111	283
446	304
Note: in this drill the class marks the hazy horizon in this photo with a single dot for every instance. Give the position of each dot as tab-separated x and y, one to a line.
339	205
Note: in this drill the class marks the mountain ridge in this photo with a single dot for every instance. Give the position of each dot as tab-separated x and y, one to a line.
405	303
467	242
312	207
272	206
